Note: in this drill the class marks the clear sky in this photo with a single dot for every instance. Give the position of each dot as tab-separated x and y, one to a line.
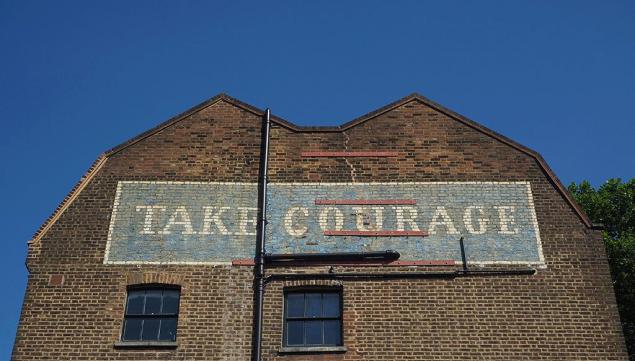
78	77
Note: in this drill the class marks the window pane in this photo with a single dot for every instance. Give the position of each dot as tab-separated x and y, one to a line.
332	332
150	329
295	304
168	329
153	302
294	333
135	303
170	302
313	305
313	332
331	305
132	329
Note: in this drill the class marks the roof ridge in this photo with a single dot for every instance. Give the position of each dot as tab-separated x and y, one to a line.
512	143
280	121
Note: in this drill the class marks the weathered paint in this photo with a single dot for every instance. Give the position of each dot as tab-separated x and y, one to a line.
206	223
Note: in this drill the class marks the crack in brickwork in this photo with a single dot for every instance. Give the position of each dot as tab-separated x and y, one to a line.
347	140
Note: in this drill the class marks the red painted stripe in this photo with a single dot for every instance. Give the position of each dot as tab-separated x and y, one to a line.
376	233
349	154
422	263
364	201
243	262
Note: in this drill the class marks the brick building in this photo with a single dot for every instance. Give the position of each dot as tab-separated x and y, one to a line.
151	255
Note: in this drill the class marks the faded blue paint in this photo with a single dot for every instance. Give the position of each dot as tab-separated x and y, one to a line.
128	243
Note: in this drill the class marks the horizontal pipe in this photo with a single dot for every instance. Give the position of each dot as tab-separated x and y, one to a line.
360	276
515	272
397	275
388	255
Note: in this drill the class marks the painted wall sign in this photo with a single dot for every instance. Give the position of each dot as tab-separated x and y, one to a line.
209	223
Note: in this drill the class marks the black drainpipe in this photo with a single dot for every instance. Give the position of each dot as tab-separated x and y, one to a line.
463	258
259	269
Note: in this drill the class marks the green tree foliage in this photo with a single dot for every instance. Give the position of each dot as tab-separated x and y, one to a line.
613	205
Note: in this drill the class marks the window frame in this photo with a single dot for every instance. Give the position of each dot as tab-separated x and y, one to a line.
286	347
161	316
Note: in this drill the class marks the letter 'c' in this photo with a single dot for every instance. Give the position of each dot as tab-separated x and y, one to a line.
296	231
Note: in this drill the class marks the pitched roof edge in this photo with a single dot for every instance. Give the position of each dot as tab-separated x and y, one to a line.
280	121
70	197
175	119
481	128
505	140
101	160
195	109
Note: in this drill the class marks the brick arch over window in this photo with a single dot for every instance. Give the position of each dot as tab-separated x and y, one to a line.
154	278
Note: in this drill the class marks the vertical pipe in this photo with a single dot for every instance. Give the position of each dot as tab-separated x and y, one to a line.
463	258
259	269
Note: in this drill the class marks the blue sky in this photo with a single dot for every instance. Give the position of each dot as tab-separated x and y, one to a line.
77	78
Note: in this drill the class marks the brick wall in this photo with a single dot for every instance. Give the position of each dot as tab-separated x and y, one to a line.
74	304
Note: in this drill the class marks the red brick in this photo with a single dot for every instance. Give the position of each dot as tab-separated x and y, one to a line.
566	311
